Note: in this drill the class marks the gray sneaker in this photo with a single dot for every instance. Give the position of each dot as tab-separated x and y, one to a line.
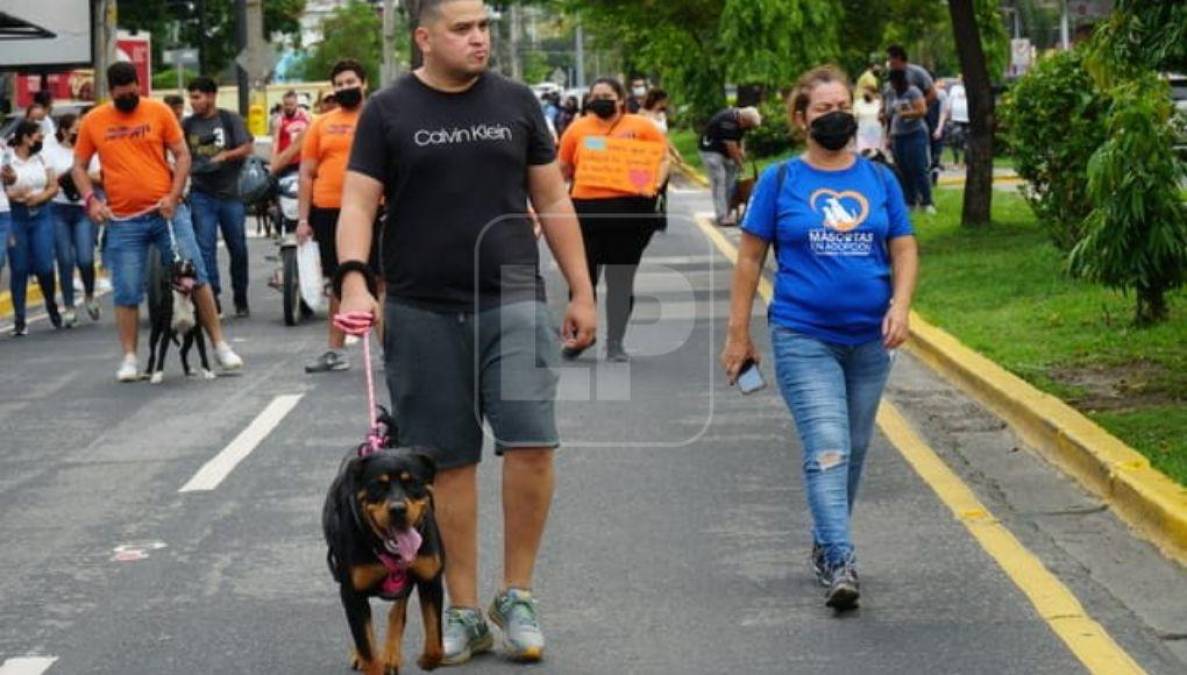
514	612
844	588
328	362
465	635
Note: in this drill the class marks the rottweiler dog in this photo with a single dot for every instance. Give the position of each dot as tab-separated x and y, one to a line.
383	540
174	317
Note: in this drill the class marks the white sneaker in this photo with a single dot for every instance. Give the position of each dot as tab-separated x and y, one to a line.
929	210
226	357
129	370
69	317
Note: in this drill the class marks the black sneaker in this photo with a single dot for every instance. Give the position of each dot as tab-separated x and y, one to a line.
55	317
328	362
615	353
844	588
817	563
19	329
242	312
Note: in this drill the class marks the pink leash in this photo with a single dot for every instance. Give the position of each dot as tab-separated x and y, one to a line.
359	323
374	440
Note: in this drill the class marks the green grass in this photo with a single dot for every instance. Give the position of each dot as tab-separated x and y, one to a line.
1002	291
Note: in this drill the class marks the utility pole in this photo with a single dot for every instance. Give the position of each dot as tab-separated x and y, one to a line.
105	18
389	42
241	44
1065	38
515	21
579	47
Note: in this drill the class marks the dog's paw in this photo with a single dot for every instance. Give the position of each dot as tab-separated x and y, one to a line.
391	670
429	660
157	377
208	375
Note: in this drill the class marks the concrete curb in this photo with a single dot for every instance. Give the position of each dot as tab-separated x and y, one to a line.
1143	497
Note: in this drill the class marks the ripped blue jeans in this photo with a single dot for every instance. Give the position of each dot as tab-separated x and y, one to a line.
833	392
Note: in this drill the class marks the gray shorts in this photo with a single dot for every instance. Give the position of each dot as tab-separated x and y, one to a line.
449	372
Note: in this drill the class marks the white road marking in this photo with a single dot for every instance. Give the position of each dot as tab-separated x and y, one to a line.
27	665
214	471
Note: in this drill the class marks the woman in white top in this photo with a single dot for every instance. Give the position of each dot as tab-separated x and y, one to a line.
74	233
867	108
7	176
655	108
32	248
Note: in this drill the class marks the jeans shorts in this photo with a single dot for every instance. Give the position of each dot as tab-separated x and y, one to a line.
449	372
125	251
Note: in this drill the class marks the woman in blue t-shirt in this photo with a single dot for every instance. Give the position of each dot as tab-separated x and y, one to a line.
847	262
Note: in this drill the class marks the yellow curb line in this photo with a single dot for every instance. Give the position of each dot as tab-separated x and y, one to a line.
32	297
1053	601
1146	499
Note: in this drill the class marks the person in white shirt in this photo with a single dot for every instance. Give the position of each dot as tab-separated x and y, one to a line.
958	114
32	238
867	108
74	232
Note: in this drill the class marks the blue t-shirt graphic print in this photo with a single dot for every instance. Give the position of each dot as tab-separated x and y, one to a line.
830	230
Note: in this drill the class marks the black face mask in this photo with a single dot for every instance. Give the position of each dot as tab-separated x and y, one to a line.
127	103
834	130
603	107
349	98
35	148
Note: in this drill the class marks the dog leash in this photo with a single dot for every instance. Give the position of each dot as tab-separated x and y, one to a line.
168	225
374	439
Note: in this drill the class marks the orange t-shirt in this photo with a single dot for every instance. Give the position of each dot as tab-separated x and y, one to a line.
630	126
328	141
131	148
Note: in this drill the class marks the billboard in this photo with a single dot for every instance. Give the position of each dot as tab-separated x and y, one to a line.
79	85
45	34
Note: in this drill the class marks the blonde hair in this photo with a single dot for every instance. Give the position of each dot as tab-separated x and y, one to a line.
751	115
826	74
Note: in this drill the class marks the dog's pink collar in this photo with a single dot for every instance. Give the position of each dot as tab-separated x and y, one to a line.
396	561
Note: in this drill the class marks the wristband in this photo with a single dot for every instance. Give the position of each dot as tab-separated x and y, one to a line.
349	266
86	200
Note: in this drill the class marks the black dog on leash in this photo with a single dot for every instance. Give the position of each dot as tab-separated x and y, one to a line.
383	540
174	318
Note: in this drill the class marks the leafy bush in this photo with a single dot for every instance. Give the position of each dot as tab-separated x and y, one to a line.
775	136
1055	120
1136	236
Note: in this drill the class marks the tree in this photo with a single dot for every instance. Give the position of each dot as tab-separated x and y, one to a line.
352	31
978	191
696	46
1137	232
218	46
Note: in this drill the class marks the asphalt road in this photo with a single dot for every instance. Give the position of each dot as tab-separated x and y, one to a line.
677	541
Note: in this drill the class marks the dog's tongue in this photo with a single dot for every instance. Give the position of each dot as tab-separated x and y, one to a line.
186	284
406	544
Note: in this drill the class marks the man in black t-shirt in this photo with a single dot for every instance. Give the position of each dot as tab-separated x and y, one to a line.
458	152
722	154
219	143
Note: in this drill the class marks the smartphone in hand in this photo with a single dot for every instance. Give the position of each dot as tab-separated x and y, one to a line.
749	378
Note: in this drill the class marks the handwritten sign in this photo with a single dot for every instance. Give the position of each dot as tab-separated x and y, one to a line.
621	164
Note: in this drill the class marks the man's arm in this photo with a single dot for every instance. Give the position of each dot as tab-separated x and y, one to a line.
305	197
558	221
279	161
734	150
356	219
181	172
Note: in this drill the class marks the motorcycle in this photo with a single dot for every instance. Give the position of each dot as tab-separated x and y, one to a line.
288	277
